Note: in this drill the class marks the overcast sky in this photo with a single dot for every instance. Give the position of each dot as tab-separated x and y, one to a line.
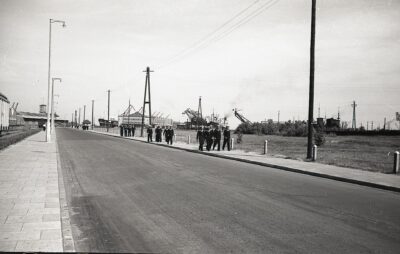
258	61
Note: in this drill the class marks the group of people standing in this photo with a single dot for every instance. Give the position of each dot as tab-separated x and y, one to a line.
167	131
212	138
127	130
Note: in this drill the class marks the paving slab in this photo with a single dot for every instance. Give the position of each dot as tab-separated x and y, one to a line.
29	197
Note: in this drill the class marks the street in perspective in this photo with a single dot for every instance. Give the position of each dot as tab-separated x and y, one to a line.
240	126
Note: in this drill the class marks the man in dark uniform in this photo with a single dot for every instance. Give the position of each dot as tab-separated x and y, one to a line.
149	134
158	134
207	138
227	139
125	131
200	138
166	134
217	138
121	130
128	127
171	135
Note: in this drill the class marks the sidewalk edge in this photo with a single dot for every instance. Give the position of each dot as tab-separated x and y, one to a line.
295	170
67	239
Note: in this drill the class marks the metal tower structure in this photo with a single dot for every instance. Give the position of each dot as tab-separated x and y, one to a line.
145	100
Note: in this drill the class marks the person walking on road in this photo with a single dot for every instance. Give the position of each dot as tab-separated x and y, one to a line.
227	139
129	130
121	130
125	131
171	135
158	134
149	134
166	134
208	139
200	138
217	139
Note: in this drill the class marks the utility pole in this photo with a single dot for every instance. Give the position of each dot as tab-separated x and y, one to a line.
92	114
319	110
372	125
108	112
75	118
147	84
72	120
79	119
367	125
199	113
384	123
311	96
279	113
353	123
84	112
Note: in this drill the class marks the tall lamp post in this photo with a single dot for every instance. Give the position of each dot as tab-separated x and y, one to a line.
52	103
48	137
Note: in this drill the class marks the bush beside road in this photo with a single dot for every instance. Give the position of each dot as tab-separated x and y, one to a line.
13	137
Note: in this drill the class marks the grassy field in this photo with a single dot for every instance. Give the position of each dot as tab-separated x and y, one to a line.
361	152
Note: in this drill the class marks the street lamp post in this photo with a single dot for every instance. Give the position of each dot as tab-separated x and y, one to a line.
52	103
48	137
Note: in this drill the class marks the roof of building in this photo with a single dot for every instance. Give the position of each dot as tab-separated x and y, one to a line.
4	98
136	114
34	115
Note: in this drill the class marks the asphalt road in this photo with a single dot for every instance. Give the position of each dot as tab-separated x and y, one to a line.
128	196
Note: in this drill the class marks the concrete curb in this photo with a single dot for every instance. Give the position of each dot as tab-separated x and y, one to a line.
322	175
66	231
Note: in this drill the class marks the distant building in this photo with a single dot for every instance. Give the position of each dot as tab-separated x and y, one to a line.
42	108
320	122
332	123
4	112
37	120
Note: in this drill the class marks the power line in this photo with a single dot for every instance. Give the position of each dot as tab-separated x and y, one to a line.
199	42
220	32
247	19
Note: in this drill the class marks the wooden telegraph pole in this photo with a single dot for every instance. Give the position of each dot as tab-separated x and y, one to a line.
108	112
147	84
311	96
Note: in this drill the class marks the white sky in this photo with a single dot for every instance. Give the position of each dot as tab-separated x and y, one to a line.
260	67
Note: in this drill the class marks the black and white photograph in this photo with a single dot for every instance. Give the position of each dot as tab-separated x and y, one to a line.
200	126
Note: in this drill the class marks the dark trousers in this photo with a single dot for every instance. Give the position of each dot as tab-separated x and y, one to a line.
170	139
227	143
209	144
217	142
121	132
201	144
149	138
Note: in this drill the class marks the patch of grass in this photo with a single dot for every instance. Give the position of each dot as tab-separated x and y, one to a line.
361	152
13	137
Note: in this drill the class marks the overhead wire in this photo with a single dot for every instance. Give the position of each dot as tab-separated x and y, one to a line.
221	32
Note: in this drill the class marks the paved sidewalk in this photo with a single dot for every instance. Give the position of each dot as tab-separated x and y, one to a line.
29	197
372	179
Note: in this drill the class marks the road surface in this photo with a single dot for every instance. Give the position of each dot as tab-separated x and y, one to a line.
128	196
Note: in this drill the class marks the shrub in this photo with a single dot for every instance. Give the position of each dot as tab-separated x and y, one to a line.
319	138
